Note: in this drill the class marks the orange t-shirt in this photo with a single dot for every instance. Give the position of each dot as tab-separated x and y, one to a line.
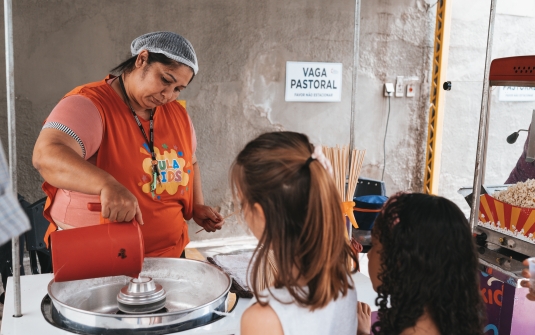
124	154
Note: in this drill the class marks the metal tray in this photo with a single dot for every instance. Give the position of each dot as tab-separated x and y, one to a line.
196	293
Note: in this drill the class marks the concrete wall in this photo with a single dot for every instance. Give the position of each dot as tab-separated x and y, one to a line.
514	35
395	40
242	48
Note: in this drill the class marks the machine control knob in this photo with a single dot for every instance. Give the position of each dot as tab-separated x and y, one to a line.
481	239
447	85
511	243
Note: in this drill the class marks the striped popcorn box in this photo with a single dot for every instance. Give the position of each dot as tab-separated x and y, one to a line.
502	216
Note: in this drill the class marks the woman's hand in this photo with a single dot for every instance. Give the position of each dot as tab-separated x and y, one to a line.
364	318
525	283
119	204
207	217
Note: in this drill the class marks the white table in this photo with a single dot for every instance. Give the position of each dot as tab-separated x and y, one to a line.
34	288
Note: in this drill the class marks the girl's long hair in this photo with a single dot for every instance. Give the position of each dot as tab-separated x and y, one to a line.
304	226
428	263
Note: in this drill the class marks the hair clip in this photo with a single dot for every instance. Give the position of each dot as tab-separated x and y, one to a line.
320	157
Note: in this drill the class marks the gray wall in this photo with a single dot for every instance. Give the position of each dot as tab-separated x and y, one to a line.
395	40
242	48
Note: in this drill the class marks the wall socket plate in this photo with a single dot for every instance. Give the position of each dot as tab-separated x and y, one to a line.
399	87
388	89
410	90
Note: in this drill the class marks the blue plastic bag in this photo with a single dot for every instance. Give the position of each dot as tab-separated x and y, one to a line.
366	209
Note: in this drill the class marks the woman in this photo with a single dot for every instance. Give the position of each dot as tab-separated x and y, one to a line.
291	205
423	265
522	170
126	143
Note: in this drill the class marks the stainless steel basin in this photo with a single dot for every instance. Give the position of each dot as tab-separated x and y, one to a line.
196	291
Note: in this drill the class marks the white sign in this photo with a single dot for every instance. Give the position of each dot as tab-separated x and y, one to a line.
514	93
313	82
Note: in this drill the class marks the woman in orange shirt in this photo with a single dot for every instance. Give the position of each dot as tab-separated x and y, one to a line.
126	143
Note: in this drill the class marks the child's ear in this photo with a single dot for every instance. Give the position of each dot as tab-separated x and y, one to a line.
259	215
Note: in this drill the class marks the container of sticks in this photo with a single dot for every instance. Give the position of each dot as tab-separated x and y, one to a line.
347	164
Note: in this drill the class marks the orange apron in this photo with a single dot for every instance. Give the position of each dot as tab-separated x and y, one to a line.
124	154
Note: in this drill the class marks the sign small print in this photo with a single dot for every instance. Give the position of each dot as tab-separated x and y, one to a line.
516	93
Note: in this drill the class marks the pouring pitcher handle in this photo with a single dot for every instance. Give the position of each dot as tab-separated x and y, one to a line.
97	207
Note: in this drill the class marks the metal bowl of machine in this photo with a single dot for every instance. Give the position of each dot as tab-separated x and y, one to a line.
141	296
195	293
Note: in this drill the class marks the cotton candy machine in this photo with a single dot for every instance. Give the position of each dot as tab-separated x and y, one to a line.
171	295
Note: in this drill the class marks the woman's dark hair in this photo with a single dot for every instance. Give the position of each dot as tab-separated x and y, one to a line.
128	65
428	263
304	225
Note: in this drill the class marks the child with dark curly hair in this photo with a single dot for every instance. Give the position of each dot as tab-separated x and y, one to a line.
424	267
290	203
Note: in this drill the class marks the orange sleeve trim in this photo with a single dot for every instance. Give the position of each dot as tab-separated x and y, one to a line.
50	191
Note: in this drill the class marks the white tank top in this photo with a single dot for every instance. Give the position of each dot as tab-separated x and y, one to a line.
339	317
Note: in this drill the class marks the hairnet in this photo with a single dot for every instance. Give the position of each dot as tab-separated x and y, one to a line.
170	44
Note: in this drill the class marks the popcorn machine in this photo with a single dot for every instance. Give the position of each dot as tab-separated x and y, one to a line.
505	234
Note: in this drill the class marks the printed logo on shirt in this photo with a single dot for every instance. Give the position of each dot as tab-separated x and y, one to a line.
172	171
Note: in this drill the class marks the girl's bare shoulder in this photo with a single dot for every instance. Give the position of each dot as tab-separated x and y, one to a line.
260	320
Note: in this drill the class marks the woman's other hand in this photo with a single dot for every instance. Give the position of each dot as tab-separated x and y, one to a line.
525	283
207	217
364	317
119	204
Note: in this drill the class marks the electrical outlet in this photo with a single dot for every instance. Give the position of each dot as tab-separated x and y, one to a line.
399	86
388	89
410	90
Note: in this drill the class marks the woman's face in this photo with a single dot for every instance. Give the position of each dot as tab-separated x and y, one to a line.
374	262
156	84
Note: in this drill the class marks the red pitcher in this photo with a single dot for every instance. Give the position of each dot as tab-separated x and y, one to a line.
110	249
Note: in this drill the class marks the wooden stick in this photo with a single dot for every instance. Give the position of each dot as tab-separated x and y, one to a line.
355	166
226	217
347	165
